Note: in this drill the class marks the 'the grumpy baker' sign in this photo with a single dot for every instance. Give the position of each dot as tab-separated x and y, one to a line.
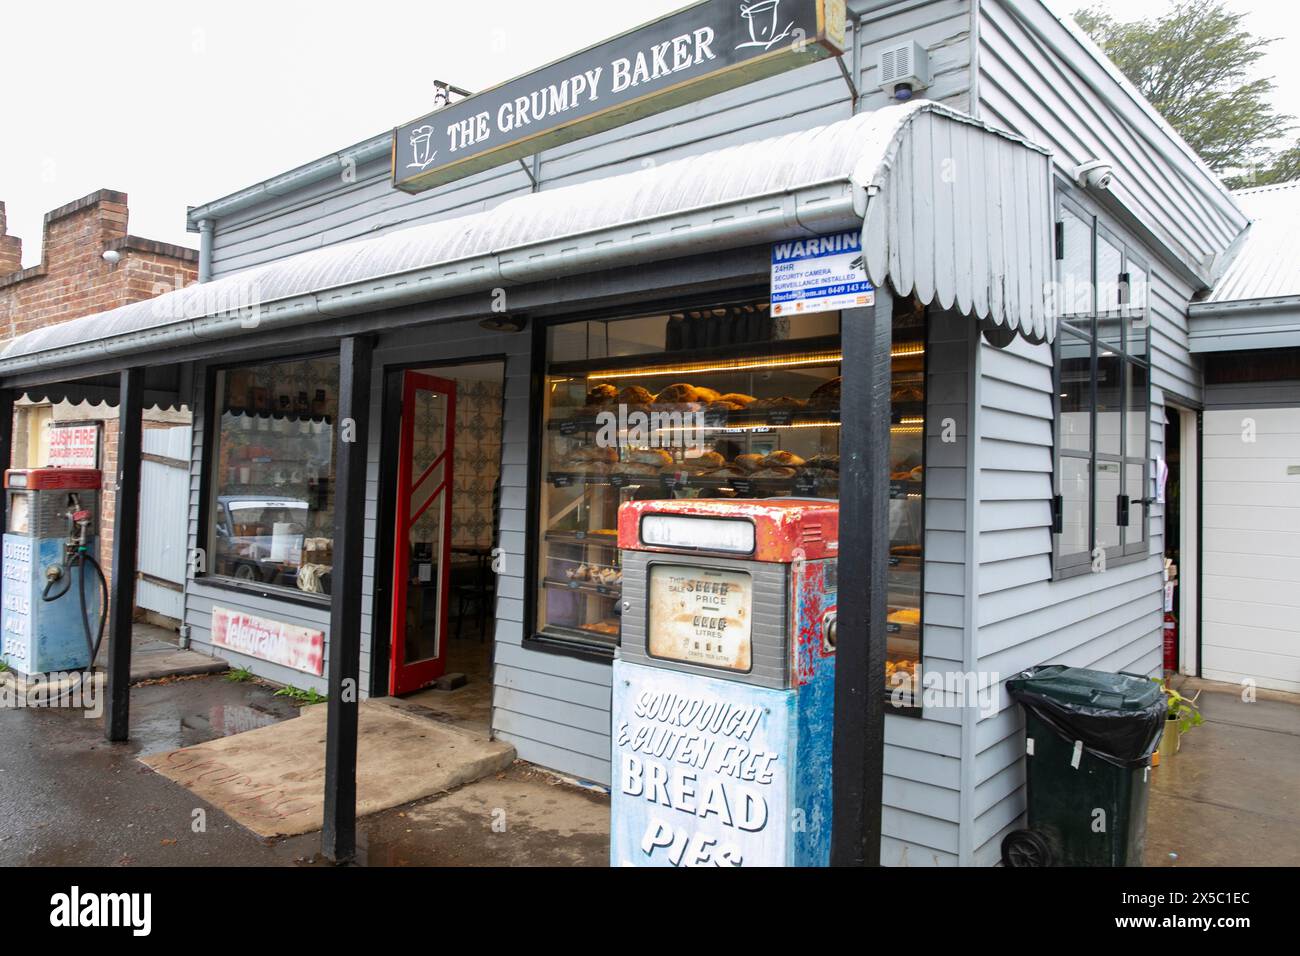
705	49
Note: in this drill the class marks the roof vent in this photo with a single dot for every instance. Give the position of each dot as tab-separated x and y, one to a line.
904	69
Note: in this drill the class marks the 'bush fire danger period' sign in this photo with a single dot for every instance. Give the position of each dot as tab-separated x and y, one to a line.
73	446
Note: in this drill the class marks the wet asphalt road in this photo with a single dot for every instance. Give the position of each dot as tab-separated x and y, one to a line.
70	798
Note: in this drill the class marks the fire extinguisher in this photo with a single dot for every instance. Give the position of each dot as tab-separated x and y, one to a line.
1171	642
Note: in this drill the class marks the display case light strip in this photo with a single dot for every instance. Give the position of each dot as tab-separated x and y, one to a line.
766	428
746	365
733	365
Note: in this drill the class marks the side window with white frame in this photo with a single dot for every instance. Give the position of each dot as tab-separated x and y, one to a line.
1103	396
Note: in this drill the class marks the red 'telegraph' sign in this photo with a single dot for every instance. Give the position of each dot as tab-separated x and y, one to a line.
296	647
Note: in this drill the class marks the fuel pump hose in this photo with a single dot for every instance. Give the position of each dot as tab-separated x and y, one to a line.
78	561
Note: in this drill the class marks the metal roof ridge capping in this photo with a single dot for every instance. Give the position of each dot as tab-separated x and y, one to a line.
695	52
810	182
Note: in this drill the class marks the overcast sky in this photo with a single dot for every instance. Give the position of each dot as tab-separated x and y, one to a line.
177	104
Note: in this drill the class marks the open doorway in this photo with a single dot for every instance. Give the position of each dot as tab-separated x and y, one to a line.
446	498
1182	554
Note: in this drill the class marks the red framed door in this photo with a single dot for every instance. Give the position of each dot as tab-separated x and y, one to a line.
422	537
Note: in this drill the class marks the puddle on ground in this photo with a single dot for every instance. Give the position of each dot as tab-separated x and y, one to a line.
228	719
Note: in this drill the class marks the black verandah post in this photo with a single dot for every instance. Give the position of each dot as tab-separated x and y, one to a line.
126	527
339	828
859	739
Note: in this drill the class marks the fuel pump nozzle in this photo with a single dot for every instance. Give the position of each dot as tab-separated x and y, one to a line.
78	524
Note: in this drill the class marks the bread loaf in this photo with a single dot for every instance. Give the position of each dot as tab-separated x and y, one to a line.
635	395
601	394
786	459
680	394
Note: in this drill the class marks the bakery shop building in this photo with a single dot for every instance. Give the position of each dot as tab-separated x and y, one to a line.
932	261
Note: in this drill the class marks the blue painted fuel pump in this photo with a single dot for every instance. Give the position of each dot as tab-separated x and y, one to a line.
54	592
723	689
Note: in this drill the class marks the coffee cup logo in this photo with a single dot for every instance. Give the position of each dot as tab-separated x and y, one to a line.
763	17
422	151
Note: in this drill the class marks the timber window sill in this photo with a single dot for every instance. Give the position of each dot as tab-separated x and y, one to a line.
268	592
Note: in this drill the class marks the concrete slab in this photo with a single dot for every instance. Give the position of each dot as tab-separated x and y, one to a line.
1231	795
468	705
271	780
173	662
520	817
156	655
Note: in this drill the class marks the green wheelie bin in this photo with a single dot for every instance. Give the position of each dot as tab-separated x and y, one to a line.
1089	737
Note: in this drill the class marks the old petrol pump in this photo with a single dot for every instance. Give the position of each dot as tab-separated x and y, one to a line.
723	689
55	595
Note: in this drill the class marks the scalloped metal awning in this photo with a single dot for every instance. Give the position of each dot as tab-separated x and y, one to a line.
951	210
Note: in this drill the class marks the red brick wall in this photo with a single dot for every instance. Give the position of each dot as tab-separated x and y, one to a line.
73	280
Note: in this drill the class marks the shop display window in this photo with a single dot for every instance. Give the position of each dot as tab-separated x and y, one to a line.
271	504
724	403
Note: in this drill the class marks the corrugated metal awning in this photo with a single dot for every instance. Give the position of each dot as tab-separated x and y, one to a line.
952	210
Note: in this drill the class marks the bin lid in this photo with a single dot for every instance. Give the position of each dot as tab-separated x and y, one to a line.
1103	690
1117	717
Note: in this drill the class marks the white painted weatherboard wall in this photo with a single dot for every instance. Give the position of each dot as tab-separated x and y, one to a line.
162	551
1250	573
1109	621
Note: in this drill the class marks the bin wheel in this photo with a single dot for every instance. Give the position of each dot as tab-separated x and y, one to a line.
1027	848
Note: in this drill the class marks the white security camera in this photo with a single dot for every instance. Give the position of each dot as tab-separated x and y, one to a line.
1095	174
112	256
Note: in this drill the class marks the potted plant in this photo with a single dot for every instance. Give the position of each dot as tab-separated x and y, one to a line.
1181	715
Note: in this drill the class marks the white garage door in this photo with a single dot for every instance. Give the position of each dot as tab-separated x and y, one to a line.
1251	547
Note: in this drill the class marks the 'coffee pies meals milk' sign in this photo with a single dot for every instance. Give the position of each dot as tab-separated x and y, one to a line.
704	49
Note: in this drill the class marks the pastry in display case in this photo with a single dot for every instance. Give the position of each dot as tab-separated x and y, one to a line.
906	507
631	413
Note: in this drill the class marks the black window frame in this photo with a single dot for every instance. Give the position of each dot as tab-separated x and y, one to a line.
207	503
566	645
1086	327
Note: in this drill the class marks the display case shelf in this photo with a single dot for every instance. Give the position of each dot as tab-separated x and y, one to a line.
611	591
600	539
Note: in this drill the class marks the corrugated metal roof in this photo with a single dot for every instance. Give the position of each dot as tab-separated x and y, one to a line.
1268	264
953	209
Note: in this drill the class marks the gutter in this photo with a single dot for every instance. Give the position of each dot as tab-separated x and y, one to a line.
812	209
1284	303
325	168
